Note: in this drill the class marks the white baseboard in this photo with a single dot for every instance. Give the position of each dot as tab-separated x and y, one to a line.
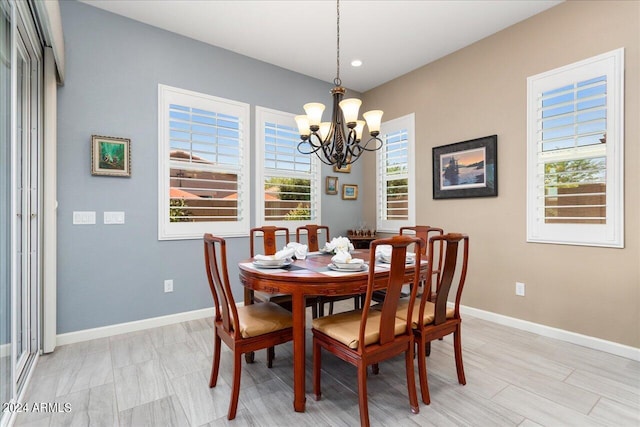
5	350
622	350
139	325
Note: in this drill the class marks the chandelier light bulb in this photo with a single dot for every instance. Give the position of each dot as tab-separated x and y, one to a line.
314	113
373	118
324	130
303	125
350	108
359	129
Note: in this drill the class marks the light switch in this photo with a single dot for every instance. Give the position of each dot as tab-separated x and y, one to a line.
84	217
114	217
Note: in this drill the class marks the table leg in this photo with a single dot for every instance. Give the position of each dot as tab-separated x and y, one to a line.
299	391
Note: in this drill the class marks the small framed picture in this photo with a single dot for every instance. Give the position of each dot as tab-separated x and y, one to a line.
110	156
331	185
343	169
349	191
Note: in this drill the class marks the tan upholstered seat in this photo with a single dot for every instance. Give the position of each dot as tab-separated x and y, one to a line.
259	319
345	327
429	313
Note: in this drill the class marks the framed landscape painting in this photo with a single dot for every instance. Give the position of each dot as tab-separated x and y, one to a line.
349	192
466	169
110	156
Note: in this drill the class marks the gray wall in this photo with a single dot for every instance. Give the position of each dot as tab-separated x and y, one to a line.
109	274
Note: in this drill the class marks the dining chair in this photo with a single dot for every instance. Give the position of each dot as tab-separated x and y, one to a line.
424	232
312	231
366	336
269	235
243	329
434	320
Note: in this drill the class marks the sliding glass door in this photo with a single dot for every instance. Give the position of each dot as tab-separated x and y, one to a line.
20	190
6	314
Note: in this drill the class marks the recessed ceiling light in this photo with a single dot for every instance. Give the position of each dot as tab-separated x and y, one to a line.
356	63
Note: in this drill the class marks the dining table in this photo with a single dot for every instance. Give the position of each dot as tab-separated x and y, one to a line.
313	276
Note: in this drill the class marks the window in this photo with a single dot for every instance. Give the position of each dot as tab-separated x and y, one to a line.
396	175
575	153
287	182
203	165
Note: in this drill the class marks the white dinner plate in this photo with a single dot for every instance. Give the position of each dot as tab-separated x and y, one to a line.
385	260
270	264
360	267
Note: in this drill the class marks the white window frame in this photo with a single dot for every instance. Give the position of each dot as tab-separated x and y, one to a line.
194	230
610	234
392	126
267	115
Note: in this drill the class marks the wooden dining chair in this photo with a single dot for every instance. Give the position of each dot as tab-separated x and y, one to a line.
434	320
366	336
269	235
424	232
243	329
312	231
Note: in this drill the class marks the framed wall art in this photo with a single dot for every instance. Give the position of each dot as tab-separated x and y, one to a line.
343	169
466	169
349	191
331	185
110	156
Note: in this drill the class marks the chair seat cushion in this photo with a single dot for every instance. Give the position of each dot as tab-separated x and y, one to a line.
429	313
345	327
259	319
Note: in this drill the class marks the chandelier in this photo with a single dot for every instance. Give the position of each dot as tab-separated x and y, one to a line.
330	141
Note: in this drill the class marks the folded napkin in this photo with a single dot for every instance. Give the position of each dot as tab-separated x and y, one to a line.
299	250
343	257
283	254
384	252
338	244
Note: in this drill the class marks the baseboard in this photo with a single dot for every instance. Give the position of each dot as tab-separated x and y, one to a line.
5	350
622	350
139	325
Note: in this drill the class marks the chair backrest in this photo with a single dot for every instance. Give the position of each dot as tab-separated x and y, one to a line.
312	235
393	287
268	234
451	272
424	232
215	258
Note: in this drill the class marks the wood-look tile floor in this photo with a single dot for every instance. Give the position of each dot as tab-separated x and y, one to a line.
159	377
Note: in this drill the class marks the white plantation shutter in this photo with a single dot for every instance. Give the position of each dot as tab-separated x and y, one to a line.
396	171
575	153
288	182
204	179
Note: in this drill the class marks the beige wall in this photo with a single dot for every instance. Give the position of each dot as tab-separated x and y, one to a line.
480	91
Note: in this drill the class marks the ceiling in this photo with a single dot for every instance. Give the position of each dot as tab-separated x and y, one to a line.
391	38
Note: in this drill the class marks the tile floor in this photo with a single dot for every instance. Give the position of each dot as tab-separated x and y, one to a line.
159	377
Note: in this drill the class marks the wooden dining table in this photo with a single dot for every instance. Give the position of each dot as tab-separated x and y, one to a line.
310	277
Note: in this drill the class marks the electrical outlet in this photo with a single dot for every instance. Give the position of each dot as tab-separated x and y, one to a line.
168	285
520	289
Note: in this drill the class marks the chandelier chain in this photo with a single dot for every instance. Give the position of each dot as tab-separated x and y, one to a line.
337	80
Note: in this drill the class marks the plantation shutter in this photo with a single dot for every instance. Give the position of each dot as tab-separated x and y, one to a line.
290	180
571	179
575	153
204	165
395	176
